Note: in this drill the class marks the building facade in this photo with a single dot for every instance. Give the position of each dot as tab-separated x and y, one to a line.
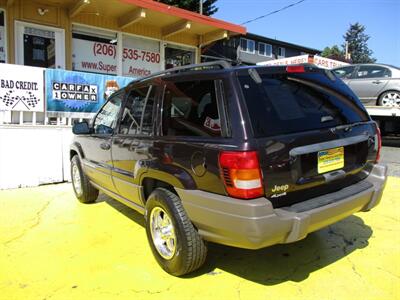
252	49
115	37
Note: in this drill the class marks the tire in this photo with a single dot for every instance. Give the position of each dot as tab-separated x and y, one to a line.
179	249
390	99
83	189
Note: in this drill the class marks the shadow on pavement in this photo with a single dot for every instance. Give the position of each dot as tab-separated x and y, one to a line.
290	262
123	209
279	263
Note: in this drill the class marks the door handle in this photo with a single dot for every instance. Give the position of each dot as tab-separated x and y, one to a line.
105	146
376	82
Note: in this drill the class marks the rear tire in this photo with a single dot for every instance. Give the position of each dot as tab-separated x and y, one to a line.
84	191
390	99
175	243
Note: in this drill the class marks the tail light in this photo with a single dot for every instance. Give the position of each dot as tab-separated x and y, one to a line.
295	69
241	174
378	143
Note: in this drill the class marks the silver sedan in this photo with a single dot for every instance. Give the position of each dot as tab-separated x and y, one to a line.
374	84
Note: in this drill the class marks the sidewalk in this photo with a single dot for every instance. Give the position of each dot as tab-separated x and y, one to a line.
53	247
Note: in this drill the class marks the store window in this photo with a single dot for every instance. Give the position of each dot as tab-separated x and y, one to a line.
140	57
3	50
264	49
39	48
176	56
94	51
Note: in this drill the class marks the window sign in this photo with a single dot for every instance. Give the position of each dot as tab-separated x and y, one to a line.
21	88
94	53
140	57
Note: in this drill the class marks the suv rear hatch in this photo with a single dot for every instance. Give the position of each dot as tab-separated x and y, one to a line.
313	135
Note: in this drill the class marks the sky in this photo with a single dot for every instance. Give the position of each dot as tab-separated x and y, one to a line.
321	23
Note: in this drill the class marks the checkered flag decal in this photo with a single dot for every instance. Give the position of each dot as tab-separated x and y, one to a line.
29	100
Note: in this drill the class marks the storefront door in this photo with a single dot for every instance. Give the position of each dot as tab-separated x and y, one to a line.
39	46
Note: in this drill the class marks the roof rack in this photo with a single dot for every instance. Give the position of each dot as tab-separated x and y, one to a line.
222	64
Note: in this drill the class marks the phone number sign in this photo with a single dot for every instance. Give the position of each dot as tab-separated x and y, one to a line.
137	62
99	57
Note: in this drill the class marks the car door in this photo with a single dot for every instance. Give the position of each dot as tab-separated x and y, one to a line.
369	81
131	144
97	146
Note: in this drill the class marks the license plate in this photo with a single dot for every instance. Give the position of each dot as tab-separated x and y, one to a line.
331	159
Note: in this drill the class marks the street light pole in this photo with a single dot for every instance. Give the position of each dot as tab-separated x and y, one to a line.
201	7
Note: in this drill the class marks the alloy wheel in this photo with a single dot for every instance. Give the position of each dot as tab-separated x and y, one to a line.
163	233
391	99
76	180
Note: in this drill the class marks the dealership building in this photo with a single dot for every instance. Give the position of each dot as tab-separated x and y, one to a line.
116	37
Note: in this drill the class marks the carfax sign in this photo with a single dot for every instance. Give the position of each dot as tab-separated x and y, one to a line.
21	88
78	92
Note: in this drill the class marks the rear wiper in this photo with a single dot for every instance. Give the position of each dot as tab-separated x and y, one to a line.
347	127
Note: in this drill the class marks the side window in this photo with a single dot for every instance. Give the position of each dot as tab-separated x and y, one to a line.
137	116
373	72
190	109
344	72
106	119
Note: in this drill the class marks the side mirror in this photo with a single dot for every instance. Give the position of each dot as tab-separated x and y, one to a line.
81	128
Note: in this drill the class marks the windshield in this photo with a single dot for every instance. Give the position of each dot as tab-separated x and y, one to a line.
289	103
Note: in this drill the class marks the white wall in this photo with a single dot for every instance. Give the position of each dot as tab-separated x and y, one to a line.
33	155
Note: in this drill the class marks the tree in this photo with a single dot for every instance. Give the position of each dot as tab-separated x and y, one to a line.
333	52
357	44
209	7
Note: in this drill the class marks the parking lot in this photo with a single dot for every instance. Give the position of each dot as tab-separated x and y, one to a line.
53	247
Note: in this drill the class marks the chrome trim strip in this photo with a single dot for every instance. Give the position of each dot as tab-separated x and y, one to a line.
328	145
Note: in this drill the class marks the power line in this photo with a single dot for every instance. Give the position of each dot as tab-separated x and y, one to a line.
273	12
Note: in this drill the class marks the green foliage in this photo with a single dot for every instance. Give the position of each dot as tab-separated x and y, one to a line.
209	7
357	44
333	52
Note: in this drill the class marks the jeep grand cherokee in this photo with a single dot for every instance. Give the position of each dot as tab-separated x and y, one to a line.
247	157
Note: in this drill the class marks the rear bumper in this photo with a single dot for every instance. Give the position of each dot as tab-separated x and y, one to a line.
255	224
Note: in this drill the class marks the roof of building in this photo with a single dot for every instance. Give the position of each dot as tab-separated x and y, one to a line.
279	42
187	15
153	19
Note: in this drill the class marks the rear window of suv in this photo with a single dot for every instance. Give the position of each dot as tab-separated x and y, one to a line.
290	103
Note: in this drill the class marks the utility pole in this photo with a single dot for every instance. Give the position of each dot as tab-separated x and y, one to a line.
347	54
201	7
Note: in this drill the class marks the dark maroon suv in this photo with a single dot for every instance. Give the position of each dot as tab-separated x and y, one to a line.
246	156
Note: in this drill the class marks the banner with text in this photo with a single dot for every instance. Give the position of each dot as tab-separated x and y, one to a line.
21	88
139	57
78	92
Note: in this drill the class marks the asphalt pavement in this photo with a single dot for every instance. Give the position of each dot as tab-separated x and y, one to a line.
391	155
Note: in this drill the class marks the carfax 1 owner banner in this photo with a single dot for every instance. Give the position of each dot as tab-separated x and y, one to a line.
81	94
21	88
